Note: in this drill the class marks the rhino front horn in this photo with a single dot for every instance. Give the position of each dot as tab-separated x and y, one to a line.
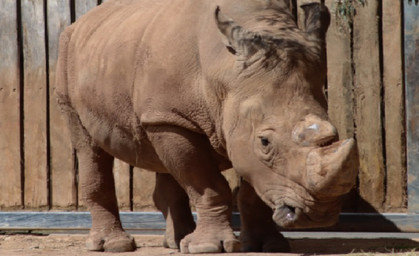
332	170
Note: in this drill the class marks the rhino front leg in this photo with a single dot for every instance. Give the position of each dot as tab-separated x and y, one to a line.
173	202
258	230
98	189
188	157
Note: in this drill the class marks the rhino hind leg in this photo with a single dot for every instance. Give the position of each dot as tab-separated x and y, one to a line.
98	189
188	157
97	182
170	198
258	231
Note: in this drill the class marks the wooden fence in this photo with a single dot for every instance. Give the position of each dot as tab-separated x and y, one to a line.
38	166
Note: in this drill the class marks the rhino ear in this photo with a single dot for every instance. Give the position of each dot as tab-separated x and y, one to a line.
238	40
317	19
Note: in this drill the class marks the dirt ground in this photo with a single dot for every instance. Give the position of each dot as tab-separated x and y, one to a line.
150	245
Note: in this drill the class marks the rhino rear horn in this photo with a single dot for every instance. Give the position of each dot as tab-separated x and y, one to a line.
238	40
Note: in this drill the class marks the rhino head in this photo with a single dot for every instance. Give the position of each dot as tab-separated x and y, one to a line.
276	128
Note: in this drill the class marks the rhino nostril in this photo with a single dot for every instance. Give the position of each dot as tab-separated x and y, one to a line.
286	212
327	141
291	213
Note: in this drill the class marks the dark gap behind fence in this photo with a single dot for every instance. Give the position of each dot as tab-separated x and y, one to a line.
21	101
48	131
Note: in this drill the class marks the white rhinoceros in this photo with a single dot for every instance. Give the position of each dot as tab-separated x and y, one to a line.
176	87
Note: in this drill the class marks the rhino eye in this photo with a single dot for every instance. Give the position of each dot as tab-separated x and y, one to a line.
264	141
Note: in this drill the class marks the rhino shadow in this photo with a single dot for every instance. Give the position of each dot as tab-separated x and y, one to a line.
361	229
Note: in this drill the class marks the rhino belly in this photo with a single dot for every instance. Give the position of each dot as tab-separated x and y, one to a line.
121	141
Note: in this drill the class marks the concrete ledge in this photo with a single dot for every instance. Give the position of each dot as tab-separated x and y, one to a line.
349	222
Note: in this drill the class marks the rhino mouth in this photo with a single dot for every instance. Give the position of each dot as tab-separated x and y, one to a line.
290	217
330	173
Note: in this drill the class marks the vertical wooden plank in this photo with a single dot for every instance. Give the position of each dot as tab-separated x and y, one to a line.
340	85
35	104
63	180
143	186
83	6
368	105
394	106
121	171
411	43
10	168
339	77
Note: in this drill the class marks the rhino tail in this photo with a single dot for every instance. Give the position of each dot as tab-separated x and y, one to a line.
62	70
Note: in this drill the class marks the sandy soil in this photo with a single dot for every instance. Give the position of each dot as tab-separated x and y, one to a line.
150	245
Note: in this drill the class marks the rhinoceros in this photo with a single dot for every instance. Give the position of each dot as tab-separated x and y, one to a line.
189	88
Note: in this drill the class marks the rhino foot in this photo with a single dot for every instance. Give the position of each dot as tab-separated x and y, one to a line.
172	200
205	241
258	231
172	239
272	243
169	242
115	241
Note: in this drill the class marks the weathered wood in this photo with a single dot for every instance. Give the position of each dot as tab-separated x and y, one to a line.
10	168
83	6
394	106
63	180
143	186
368	104
340	90
121	171
339	77
411	43
35	105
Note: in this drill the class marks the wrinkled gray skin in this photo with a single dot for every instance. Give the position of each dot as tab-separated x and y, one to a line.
179	88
